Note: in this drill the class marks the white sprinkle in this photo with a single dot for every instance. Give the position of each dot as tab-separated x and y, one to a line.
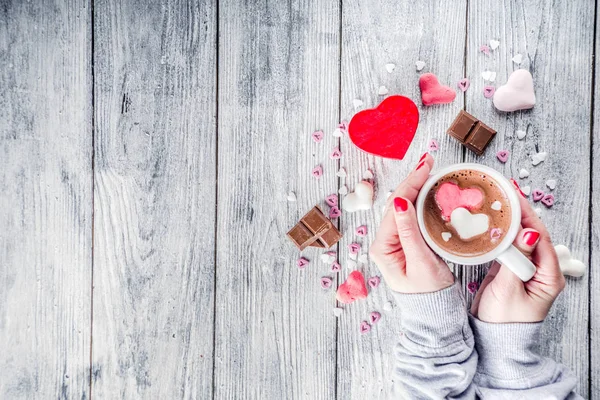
446	236
351	264
382	91
388	306
517	59
526	190
341	173
523	173
538	211
343	190
488	76
337	311
390	67
521	134
368	174
363	259
327	258
539	157
357	103
496	205
353	257
420	65
494	44
291	196
551	183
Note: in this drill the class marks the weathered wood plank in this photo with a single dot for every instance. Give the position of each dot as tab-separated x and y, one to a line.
373	34
155	174
45	199
558	52
278	82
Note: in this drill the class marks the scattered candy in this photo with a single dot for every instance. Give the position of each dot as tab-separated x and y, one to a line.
432	92
364	327
317	171
495	234
363	259
538	211
472	287
336	154
360	199
361	230
353	256
539	158
485	49
494	44
489	76
357	103
328	258
464	84
334	212
382	91
446	236
496	205
517	59
354	248
343	126
338	132
521	134
337	311
433	145
420	65
350	264
331	200
291	196
551	183
336	267
368	174
302	262
326	282
353	289
523	173
488	91
526	190
343	190
502	156
374	281
390	67
374	317
387	306
341	173
548	200
317	136
517	93
537	195
569	265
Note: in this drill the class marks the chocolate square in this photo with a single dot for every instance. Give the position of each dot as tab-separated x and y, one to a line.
480	137
462	126
314	229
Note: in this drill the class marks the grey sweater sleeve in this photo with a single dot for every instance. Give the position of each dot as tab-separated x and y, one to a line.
435	358
510	365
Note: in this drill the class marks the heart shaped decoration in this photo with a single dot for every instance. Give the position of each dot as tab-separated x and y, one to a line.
328	258
468	225
502	155
551	183
341	173
472	287
361	230
449	197
388	130
548	200
336	267
494	44
433	145
331	200
539	157
446	236
495	234
291	196
360	199
526	190
488	76
464	84
317	136
353	289
374	281
374	317
334	212
497	205
420	65
521	134
569	265
432	92
317	171
326	282
523	173
517	93
537	195
485	49
517	59
302	262
354	248
336	154
488	91
364	327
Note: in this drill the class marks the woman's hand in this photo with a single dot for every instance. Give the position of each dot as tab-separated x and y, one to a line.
406	262
503	297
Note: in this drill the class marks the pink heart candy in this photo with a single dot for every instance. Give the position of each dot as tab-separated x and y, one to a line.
343	125
361	230
317	136
302	262
336	267
485	49
326	282
334	212
495	233
488	91
336	154
374	281
364	327
502	155
537	195
517	93
317	171
331	200
354	248
450	196
472	287
548	200
433	145
374	317
464	84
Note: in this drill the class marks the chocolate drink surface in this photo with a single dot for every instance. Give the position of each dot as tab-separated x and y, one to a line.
467	213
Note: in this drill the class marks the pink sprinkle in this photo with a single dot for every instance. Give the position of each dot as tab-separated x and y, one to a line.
502	155
374	317
302	262
343	125
364	327
326	282
336	154
548	200
489	91
374	281
464	84
317	171
336	267
537	194
334	212
485	49
495	233
361	230
433	145
331	200
472	287
317	136
354	248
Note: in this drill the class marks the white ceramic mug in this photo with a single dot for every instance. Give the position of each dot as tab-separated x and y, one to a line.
504	252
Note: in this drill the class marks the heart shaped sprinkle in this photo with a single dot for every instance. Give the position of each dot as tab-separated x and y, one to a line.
364	327
494	44
390	67
326	282
336	154
317	171
464	84
368	174
517	93
341	173
387	306
551	183
432	92
497	205
331	200
360	199
521	134
489	76
450	196
472	287
382	91
343	190
353	289
569	265
539	158
334	212
343	126
537	195
548	200
518	59
468	225
337	311
350	263
361	230
538	211
433	145
357	103
488	91
485	49
337	132
446	236
495	234
502	155
317	136
302	262
420	65
374	317
328	257
526	190
363	259
523	173
374	281
354	248
336	267
291	196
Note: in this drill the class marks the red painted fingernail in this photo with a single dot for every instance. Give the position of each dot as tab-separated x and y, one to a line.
531	237
516	185
400	204
423	157
421	164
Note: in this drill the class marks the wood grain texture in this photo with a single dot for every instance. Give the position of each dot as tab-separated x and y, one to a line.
559	55
155	174
278	82
45	199
375	33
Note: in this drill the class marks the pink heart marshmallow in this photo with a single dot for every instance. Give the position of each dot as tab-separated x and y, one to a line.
449	197
517	93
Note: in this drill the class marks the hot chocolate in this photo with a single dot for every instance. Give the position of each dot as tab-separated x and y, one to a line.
467	213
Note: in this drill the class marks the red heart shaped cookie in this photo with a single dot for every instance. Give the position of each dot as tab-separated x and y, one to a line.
387	130
434	93
449	197
353	289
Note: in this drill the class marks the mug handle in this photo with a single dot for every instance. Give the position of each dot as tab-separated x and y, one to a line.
516	261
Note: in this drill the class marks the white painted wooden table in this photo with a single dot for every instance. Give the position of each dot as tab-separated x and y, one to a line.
147	148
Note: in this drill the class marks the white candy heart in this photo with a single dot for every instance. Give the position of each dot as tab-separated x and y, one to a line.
496	205
368	174
357	103
551	183
360	199
291	196
539	157
382	91
446	236
494	44
521	134
341	173
351	264
420	65
569	265
363	259
337	311
526	190
468	225
523	173
328	258
538	211
343	190
488	76
353	256
390	67
388	306
517	93
338	132
518	59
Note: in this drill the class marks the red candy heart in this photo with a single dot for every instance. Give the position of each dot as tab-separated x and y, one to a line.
353	289
434	93
449	197
387	130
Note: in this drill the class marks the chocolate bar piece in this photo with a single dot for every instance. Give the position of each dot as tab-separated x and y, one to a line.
472	133
314	229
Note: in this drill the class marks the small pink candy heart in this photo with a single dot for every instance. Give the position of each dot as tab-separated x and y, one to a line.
326	282
334	212
317	136
502	155
317	171
354	248
548	200
343	125
361	230
485	49
495	233
472	287
331	200
489	91
336	154
537	195
364	327
464	84
433	145
374	281
336	267
302	262
374	317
